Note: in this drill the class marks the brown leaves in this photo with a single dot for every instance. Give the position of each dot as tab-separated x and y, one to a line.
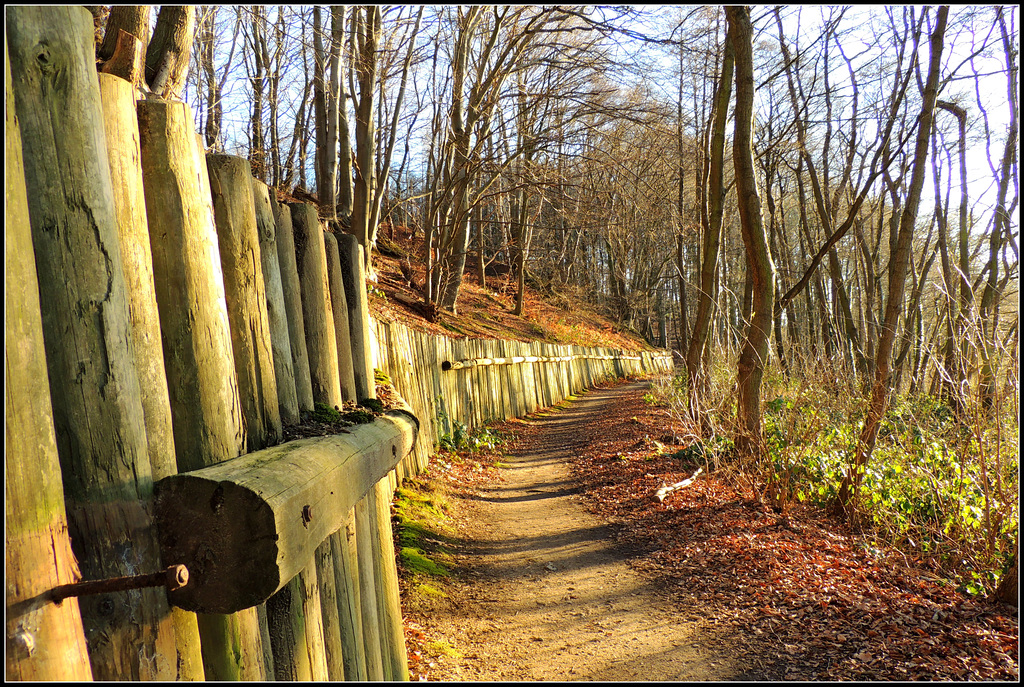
801	591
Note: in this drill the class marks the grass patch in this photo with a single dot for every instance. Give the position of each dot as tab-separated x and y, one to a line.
422	528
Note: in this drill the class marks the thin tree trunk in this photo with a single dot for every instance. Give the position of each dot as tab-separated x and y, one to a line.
898	265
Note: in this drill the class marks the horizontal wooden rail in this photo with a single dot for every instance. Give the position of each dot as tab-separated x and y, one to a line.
245	527
474	362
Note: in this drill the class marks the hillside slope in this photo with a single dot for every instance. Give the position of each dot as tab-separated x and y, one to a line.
484	311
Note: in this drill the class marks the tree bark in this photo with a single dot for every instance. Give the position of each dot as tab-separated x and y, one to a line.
761	270
45	641
169	50
898	266
94	387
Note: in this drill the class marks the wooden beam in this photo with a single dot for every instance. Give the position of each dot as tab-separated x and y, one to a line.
247	526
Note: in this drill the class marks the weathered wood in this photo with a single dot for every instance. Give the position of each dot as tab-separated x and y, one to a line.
232	646
346	584
234	213
326	578
317	311
246	527
296	637
339	303
128	61
94	388
370	619
293	304
133	20
277	316
199	362
122	137
45	641
389	605
353	268
206	414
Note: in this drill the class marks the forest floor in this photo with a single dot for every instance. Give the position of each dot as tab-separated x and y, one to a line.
564	566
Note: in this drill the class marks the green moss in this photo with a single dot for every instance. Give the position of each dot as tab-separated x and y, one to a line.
373	404
358	417
324	413
415	561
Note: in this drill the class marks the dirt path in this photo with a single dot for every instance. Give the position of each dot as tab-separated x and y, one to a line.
548	595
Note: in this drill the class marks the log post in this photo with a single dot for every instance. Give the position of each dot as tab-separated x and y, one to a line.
234	213
389	605
370	619
317	313
293	304
122	136
277	316
45	641
94	388
331	634
353	269
206	411
339	302
346	584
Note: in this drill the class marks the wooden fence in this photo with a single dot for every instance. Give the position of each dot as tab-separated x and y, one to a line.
167	318
477	381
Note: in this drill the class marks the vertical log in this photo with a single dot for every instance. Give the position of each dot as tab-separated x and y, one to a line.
367	590
317	314
293	304
45	641
287	624
234	212
122	137
199	363
339	302
94	388
277	316
205	407
325	575
389	604
353	268
346	584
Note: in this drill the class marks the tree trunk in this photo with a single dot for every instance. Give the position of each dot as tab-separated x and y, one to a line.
234	211
45	641
898	265
708	294
367	31
168	53
761	270
94	387
1006	592
132	19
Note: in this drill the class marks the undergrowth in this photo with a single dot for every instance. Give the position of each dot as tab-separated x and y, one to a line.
940	488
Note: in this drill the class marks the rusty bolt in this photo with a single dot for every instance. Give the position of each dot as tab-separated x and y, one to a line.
174	577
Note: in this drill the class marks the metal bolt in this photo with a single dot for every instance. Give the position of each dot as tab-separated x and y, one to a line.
174	577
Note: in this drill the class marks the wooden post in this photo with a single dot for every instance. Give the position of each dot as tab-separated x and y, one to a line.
331	635
346	584
45	641
370	619
94	388
296	629
317	314
293	304
122	135
389	605
277	315
234	212
339	301
201	380
354	271
199	362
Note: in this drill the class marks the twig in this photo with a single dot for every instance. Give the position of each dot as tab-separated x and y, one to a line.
665	491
